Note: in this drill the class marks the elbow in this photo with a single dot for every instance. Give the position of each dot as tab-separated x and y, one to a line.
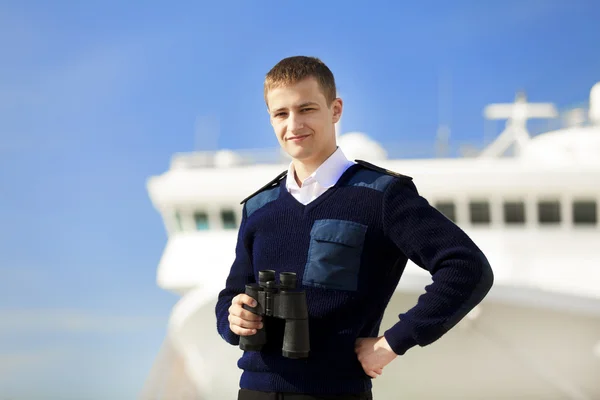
485	282
487	273
481	283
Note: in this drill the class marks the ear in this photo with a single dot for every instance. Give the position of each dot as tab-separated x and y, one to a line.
337	106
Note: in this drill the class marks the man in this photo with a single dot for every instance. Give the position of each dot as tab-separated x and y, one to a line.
347	230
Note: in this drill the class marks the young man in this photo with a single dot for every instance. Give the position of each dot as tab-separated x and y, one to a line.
347	230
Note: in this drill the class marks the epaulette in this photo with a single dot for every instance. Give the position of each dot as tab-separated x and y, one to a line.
382	170
269	185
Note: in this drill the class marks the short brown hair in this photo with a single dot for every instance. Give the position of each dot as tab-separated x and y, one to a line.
294	69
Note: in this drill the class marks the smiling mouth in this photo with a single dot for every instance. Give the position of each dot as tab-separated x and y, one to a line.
297	138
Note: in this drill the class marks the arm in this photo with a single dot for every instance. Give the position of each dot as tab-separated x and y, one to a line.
241	273
461	274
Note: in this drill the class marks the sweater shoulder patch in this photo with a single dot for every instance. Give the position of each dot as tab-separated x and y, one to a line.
382	170
374	177
264	195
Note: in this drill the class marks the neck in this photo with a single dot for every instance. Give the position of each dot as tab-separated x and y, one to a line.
304	168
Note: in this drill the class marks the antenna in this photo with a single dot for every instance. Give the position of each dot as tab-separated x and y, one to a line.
594	112
206	133
444	114
517	114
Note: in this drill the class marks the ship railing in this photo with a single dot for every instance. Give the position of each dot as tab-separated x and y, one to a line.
426	147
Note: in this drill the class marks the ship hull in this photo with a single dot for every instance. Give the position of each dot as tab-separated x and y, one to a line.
505	351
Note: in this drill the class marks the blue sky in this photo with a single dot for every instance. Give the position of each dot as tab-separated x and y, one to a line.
96	96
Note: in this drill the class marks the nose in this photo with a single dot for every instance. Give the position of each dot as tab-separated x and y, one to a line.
295	123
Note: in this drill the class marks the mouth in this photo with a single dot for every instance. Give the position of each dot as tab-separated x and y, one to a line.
297	138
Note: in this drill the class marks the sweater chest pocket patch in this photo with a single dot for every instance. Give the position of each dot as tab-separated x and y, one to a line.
334	254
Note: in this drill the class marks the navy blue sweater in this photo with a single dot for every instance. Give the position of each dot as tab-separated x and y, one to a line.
349	248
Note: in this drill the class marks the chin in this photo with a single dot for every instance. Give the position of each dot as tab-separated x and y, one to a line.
299	153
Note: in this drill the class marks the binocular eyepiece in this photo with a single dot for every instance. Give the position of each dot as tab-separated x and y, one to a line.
282	301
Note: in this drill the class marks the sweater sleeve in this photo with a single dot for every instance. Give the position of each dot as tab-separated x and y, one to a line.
460	272
240	274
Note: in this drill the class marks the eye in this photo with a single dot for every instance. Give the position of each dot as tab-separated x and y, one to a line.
307	109
279	114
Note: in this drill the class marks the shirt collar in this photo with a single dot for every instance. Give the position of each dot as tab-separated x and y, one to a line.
326	175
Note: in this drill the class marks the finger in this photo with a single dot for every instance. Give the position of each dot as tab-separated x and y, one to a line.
242	323
243	298
241	331
238	311
372	374
378	371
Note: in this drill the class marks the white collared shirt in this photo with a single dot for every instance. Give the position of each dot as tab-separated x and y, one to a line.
319	181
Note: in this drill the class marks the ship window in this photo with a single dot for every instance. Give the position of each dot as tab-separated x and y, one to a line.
448	209
549	212
228	218
201	219
480	212
584	212
514	212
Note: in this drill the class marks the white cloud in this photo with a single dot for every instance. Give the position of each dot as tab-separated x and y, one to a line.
13	361
37	321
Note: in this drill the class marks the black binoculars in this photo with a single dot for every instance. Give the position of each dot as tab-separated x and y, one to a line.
280	301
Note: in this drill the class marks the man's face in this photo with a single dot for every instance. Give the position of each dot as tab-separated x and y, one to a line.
302	121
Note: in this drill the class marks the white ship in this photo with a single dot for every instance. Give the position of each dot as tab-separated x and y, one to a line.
533	212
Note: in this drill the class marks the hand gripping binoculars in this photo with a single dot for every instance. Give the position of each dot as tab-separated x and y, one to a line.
281	301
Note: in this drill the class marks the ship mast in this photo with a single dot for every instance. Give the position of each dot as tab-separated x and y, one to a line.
517	114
